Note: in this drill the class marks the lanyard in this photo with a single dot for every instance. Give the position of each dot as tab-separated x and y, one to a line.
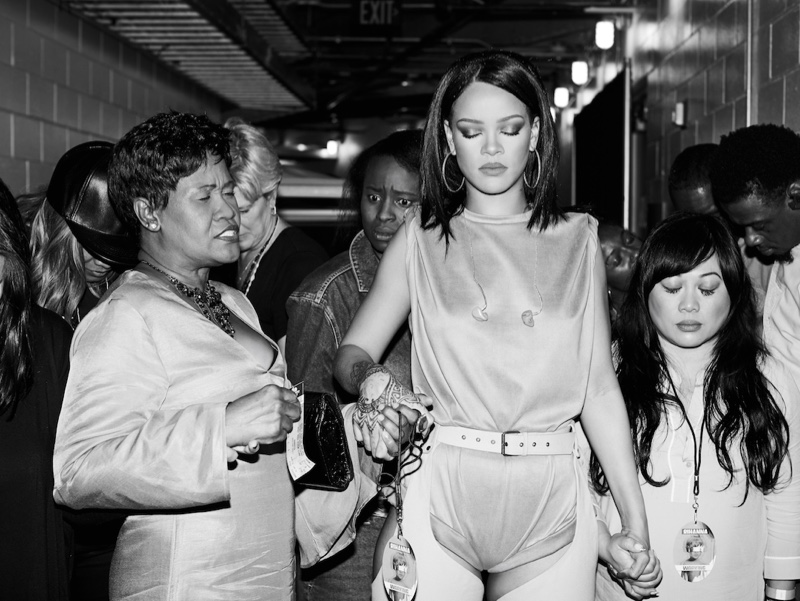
697	447
399	484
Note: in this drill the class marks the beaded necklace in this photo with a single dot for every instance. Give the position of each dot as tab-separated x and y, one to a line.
209	301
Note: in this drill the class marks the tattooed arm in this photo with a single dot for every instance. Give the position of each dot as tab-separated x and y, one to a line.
383	311
385	406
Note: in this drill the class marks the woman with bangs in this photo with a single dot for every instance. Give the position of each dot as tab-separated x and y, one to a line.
714	420
506	299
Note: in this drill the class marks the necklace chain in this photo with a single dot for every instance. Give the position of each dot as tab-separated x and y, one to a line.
481	313
208	301
252	267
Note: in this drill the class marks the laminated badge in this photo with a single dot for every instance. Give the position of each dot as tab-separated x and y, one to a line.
694	551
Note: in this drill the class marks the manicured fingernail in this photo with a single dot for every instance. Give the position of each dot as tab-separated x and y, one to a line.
639	547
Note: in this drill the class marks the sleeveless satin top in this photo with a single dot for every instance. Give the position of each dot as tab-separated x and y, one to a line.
501	374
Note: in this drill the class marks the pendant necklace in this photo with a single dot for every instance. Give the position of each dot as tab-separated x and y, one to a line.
252	267
208	301
399	565
694	551
480	313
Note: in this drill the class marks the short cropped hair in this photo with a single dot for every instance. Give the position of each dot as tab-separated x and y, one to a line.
150	160
761	160
690	168
405	147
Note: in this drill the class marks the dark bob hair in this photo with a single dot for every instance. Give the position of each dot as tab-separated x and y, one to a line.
150	160
518	76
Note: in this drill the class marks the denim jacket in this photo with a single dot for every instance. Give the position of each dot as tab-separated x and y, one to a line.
322	309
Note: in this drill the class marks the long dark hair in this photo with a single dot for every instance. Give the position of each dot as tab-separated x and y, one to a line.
740	409
518	76
404	146
16	358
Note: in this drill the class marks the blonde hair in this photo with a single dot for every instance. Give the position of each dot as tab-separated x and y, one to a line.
57	273
254	164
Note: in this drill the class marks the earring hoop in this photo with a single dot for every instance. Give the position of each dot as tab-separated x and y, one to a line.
444	175
538	171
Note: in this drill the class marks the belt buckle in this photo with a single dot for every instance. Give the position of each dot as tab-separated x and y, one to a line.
510	445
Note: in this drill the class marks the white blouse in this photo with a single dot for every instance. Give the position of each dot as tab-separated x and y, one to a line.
754	540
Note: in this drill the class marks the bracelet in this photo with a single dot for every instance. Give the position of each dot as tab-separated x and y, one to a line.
780	594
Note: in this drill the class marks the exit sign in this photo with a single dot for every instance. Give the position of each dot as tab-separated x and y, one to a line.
378	16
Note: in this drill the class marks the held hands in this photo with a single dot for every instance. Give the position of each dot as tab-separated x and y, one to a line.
264	416
632	565
387	412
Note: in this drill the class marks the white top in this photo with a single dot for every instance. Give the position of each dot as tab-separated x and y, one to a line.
755	540
782	315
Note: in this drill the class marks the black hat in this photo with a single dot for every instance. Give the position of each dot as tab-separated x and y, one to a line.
78	191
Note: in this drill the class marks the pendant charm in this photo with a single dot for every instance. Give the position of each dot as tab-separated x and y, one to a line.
694	551
480	314
399	570
527	318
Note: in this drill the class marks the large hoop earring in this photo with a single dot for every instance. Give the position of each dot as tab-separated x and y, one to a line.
538	171
444	175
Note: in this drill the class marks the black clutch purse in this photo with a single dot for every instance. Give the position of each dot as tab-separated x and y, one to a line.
325	444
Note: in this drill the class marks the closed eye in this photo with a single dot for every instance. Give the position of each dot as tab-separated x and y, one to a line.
669	290
707	292
469	134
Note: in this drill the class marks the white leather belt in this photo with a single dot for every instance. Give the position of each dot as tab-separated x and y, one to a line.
509	443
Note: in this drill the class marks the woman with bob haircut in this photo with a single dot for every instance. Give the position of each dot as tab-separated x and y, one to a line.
507	303
35	539
714	419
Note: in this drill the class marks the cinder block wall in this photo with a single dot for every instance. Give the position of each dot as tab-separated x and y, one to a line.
64	81
696	51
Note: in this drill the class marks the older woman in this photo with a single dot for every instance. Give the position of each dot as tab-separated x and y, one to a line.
275	257
170	375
